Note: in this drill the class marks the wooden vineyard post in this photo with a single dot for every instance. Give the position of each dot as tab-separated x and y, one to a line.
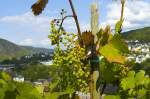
94	91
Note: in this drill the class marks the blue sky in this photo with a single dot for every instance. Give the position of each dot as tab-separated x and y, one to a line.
18	24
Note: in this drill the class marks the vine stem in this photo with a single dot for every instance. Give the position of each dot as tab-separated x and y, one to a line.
122	9
60	26
77	23
63	21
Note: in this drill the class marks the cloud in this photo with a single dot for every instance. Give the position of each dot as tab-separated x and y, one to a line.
27	42
45	42
37	28
28	29
28	21
137	14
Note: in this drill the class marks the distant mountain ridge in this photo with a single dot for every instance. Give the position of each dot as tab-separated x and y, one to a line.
9	50
142	34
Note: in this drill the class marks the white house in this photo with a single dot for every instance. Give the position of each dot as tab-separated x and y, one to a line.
47	63
19	79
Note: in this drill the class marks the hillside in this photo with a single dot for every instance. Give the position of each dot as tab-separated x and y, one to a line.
10	50
138	34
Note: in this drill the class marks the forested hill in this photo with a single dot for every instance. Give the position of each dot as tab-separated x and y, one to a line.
142	34
10	50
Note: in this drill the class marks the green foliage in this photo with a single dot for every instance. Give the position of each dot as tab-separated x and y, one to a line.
27	91
111	73
129	82
34	71
15	90
5	76
142	66
135	85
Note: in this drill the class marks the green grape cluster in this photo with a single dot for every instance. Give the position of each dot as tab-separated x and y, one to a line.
123	70
72	66
81	70
72	71
56	32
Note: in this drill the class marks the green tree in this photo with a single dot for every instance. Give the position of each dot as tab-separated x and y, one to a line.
33	72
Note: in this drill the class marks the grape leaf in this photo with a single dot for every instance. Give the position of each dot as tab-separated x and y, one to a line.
105	36
39	6
142	93
119	44
118	27
140	75
27	91
114	50
5	76
129	81
112	54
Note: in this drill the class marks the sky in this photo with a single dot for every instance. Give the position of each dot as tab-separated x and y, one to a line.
19	25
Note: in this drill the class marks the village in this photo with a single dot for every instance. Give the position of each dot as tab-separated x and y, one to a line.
139	51
45	59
